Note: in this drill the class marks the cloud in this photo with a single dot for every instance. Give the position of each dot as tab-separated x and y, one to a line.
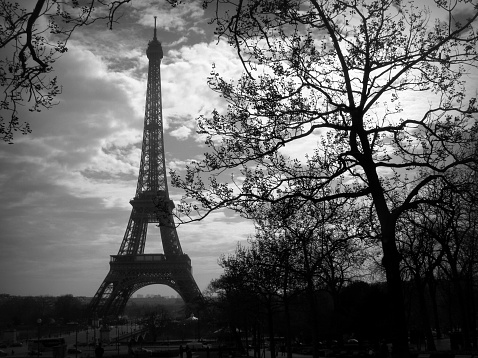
181	133
185	72
182	17
182	40
66	187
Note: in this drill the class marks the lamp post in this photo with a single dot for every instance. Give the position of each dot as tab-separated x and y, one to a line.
199	331
193	319
38	345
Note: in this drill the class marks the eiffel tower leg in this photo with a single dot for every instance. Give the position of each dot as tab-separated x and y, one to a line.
119	299
186	285
99	303
111	298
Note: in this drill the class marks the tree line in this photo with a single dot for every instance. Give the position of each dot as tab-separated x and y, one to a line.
23	312
314	274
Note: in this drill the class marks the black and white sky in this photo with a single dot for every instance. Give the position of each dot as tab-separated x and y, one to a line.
65	188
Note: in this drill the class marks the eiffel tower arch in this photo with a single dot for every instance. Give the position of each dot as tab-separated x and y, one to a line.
131	269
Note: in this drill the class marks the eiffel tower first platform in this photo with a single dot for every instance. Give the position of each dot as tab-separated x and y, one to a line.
132	269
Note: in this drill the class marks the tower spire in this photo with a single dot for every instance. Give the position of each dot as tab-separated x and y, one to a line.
154	38
154	51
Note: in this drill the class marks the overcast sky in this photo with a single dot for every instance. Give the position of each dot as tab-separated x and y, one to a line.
65	188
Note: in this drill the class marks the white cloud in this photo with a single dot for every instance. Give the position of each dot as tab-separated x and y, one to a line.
181	133
178	18
66	187
186	94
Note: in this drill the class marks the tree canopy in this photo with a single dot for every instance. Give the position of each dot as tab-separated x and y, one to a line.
341	100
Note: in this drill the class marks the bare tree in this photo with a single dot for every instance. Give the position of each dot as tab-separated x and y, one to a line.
248	272
453	228
421	258
331	77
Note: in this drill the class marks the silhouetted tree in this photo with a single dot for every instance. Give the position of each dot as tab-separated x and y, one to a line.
364	313
239	306
318	247
253	271
455	230
442	239
421	258
330	77
298	251
68	308
157	321
17	310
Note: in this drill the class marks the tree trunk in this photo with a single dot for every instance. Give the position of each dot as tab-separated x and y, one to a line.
391	257
472	309
459	293
464	312
315	323
425	318
270	322
310	289
288	328
391	262
433	294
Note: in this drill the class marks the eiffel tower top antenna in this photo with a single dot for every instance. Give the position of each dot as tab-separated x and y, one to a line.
154	38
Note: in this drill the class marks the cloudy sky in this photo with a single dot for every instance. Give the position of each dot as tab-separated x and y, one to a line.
65	188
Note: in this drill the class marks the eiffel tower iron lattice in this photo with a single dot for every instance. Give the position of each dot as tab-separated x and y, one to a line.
132	269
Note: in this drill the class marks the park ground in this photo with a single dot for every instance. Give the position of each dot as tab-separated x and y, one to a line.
172	351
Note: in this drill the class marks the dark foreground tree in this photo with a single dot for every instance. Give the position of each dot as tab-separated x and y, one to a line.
241	303
421	257
451	232
316	252
328	80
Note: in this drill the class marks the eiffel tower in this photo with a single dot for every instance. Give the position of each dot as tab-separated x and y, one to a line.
132	269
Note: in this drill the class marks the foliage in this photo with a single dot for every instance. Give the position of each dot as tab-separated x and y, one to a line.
157	321
26	310
299	250
440	243
331	79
